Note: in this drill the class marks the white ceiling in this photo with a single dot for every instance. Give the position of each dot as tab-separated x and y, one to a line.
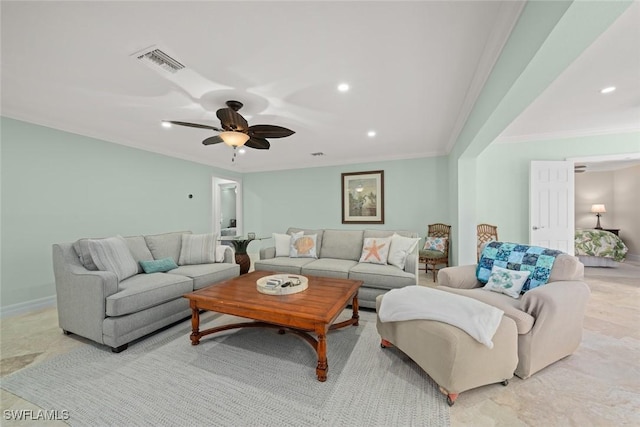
410	65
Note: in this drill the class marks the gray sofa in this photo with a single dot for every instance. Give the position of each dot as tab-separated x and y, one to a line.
96	305
339	253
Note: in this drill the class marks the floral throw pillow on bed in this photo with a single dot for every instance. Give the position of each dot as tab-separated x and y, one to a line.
508	282
435	244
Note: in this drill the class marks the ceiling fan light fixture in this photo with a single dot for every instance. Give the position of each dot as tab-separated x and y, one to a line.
234	139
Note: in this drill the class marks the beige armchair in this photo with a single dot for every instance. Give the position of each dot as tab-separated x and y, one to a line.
549	318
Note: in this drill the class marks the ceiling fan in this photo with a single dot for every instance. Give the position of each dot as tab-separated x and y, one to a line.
236	131
580	168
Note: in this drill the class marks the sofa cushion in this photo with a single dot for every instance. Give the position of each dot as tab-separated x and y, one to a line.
81	247
282	264
329	267
388	233
139	250
165	245
342	244
146	290
113	254
303	246
375	250
204	275
158	265
510	306
197	249
381	276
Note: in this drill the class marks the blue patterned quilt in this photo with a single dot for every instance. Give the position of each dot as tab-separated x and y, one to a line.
512	256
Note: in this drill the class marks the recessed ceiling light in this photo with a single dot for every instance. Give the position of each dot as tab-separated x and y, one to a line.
371	133
343	87
608	89
166	124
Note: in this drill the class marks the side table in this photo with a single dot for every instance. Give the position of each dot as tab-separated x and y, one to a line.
240	245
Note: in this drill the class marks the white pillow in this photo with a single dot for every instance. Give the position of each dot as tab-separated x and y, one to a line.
400	248
113	254
375	250
508	282
197	249
303	246
283	242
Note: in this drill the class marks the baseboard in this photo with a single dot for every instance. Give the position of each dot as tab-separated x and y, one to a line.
633	257
25	307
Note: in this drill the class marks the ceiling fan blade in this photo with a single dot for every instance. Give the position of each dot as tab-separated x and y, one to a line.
269	131
212	140
258	143
193	125
231	120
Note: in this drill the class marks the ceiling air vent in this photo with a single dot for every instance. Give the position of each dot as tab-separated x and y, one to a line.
158	58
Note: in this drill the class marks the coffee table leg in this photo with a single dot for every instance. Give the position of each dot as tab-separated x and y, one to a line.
195	325
355	315
323	366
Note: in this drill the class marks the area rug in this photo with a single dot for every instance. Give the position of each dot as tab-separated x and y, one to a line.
252	376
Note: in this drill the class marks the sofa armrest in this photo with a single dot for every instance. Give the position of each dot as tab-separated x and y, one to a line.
558	309
462	277
562	300
81	294
229	253
268	253
411	265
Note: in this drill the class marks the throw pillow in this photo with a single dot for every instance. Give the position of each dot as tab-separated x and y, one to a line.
375	250
158	265
303	246
508	282
283	243
197	249
400	248
113	254
435	244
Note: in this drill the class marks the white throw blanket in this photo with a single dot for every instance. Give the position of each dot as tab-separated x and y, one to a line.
476	318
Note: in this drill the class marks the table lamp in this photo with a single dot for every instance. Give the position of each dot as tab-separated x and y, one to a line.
598	210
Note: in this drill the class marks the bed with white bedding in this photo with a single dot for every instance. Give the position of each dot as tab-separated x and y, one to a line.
599	248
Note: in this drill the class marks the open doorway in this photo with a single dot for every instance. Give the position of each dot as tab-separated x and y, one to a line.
227	207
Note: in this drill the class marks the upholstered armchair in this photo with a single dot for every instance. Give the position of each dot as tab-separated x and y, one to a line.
549	318
436	248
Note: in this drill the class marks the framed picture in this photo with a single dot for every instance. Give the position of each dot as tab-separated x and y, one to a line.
363	197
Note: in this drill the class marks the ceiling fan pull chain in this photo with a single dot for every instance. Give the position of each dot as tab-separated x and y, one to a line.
233	159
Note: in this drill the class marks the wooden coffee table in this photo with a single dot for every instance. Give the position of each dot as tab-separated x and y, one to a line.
313	310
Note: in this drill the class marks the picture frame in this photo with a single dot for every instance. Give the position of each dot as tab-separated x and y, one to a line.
363	197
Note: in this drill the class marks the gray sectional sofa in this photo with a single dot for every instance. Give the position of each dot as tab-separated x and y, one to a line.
338	254
97	305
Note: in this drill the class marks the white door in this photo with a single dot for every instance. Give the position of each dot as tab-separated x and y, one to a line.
551	209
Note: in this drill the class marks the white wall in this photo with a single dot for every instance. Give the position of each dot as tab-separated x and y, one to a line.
594	188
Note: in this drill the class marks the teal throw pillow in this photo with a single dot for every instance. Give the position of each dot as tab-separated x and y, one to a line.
158	265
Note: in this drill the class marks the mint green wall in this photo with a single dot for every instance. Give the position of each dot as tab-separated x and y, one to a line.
503	176
546	39
58	187
415	190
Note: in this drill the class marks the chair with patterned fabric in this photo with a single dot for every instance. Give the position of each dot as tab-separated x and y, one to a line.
436	247
486	233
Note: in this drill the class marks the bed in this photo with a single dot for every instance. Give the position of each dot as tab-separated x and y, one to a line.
599	248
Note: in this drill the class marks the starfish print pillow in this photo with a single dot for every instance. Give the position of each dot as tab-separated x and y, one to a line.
375	250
